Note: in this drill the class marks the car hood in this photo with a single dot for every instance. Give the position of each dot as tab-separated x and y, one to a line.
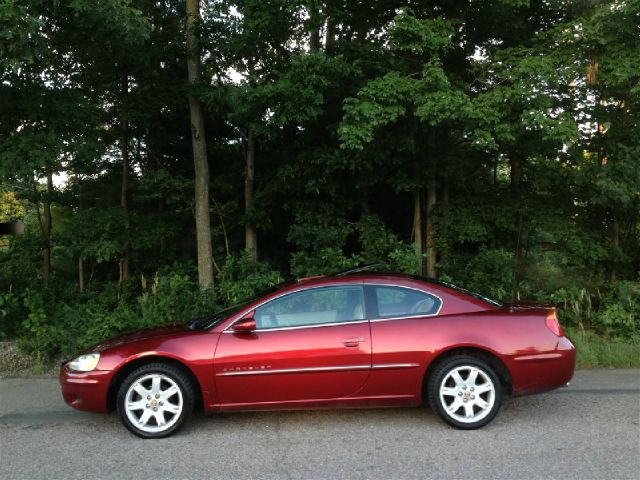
140	335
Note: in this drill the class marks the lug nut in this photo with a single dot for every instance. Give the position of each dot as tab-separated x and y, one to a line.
157	395
473	397
465	400
464	387
459	394
472	389
148	405
148	397
155	409
161	403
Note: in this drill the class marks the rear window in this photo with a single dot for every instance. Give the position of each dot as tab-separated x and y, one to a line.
391	302
476	295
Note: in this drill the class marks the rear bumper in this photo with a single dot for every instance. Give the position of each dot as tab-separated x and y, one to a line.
86	390
540	372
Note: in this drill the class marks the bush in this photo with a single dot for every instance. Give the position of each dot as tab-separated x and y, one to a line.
575	305
242	277
323	262
614	313
620	314
11	312
56	327
63	326
379	245
60	322
38	332
174	298
489	272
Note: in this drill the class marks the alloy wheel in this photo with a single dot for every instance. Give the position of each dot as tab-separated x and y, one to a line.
467	394
153	403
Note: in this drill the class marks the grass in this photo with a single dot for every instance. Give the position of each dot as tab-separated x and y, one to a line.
595	351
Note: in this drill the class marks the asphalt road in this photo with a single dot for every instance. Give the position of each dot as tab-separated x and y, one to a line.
588	430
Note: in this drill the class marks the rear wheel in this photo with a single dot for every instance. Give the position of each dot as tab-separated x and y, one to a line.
155	400
465	392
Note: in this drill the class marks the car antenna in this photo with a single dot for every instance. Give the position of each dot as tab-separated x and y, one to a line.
357	269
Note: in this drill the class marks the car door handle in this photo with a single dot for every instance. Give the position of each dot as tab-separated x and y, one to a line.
352	341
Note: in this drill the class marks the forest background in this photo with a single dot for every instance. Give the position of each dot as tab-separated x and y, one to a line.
168	158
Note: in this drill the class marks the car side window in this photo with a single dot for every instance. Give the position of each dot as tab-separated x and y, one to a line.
312	307
403	302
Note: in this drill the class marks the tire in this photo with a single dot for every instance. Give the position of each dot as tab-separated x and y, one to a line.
465	392
153	394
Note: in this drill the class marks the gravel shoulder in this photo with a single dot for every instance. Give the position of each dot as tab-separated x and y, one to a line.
589	430
15	364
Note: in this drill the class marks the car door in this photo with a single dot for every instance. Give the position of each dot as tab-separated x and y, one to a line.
308	345
399	356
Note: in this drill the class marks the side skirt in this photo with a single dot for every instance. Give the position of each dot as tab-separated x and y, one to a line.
314	404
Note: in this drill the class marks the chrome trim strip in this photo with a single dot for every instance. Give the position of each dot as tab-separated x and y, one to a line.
308	401
408	317
316	369
396	365
293	370
297	327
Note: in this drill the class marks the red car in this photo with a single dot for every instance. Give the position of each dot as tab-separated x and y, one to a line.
349	340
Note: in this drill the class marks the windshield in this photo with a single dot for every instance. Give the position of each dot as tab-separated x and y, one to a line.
211	321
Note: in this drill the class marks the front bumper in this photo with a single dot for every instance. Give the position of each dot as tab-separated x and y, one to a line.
86	390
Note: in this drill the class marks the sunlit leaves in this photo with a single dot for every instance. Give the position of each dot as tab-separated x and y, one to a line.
430	36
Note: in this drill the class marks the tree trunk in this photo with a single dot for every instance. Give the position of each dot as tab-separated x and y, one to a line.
250	234
46	228
222	226
199	144
314	26
417	226
124	147
330	36
445	193
431	235
80	259
515	174
80	273
516	164
163	239
592	73
615	239
364	198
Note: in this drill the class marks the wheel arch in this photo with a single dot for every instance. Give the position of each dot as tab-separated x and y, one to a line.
483	354
125	369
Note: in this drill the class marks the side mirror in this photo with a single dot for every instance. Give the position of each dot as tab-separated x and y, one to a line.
245	325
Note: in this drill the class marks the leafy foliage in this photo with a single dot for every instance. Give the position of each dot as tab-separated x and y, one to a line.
521	119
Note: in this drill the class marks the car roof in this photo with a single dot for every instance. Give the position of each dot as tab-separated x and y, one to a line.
358	276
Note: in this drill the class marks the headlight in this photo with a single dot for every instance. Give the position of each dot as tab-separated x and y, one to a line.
85	363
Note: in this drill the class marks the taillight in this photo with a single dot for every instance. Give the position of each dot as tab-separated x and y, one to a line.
553	324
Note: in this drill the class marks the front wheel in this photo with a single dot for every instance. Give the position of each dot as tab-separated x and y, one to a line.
155	400
465	392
